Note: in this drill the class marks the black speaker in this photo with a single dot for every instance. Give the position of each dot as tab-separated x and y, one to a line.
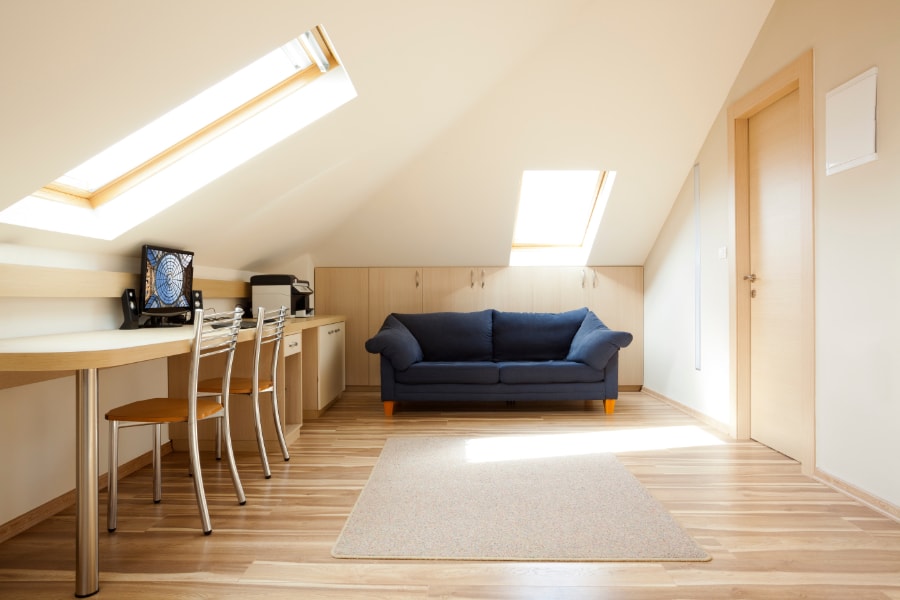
197	302
130	312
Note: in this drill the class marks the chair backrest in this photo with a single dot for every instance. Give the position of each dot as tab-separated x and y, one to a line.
214	333
269	330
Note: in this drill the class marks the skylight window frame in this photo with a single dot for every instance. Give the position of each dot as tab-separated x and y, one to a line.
598	189
566	254
71	195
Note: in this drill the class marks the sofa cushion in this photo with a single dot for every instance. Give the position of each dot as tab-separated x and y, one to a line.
451	372
526	336
553	371
451	336
594	344
395	342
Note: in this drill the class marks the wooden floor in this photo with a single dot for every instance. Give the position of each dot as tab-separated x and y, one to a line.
772	532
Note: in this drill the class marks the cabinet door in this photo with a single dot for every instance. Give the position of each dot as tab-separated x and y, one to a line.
507	288
617	297
391	289
331	363
345	291
558	289
455	289
292	347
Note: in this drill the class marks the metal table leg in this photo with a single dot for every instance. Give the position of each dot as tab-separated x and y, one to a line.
87	408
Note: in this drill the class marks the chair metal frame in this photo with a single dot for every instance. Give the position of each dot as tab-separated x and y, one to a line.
214	334
269	331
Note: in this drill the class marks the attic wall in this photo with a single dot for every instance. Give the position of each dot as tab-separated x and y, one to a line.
567	106
670	294
857	265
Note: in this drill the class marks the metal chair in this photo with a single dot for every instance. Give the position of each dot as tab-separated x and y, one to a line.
214	334
269	331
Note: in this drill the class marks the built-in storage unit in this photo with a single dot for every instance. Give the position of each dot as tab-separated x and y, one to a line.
293	382
323	367
367	295
340	295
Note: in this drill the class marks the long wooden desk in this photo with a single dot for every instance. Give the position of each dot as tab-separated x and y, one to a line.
85	353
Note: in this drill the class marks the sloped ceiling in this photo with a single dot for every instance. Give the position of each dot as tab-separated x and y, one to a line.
456	98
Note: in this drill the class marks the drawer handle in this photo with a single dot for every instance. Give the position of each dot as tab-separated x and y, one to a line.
293	344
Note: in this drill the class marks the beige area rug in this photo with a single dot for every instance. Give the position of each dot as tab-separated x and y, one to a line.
458	498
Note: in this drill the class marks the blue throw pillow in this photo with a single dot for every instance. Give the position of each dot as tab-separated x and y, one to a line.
594	343
395	342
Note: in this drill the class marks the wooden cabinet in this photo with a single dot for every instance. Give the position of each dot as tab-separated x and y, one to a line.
466	289
293	382
455	289
558	289
345	291
323	367
508	288
394	289
391	289
522	289
616	295
331	363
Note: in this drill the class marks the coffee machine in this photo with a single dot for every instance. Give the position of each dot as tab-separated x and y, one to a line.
273	291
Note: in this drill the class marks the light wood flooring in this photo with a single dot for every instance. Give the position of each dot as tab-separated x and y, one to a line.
772	532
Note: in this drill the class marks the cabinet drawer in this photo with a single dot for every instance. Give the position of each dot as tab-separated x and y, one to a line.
292	344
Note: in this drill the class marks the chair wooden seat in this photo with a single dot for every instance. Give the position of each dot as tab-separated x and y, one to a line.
239	385
163	410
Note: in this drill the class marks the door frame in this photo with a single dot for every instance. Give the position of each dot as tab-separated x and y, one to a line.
798	75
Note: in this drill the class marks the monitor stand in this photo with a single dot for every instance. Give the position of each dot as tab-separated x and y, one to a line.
167	321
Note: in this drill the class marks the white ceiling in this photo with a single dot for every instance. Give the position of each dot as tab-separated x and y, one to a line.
456	99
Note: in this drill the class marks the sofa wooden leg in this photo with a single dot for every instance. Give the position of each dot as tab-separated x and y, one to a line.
609	406
389	408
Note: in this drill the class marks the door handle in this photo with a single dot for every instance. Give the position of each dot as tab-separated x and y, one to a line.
751	277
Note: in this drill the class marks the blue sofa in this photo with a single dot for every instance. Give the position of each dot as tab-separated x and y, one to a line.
497	355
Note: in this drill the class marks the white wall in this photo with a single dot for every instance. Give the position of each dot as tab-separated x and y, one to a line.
857	217
37	432
303	267
670	294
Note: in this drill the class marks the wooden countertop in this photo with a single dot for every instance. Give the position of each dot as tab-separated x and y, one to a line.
114	347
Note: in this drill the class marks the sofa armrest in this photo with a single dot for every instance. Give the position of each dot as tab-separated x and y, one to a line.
611	377
594	343
395	343
387	379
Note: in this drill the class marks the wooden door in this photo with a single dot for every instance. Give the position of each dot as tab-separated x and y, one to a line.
776	309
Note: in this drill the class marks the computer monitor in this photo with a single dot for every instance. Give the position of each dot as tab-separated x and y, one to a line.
166	285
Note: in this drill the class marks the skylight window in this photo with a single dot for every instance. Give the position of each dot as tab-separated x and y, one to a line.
193	144
559	215
185	120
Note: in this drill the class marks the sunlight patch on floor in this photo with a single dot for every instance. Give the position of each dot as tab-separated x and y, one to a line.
493	449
